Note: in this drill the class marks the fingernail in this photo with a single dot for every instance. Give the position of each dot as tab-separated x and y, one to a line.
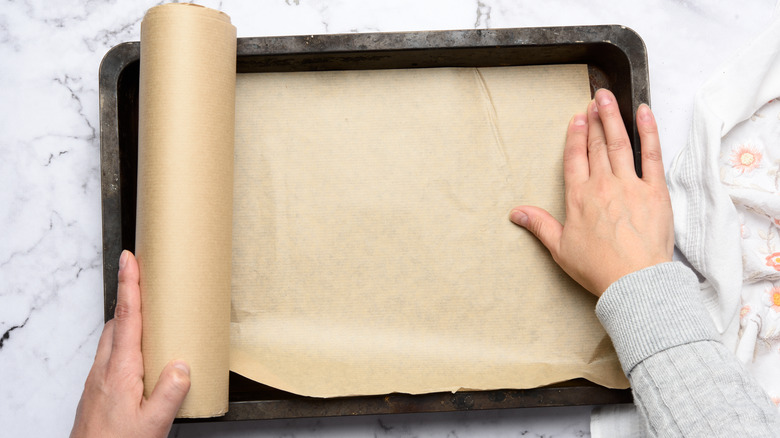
644	113
604	97
579	120
180	364
593	106
519	217
123	259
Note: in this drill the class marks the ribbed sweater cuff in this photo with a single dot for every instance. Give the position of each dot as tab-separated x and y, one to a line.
652	310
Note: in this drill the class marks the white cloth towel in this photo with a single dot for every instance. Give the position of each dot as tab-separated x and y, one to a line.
725	187
610	421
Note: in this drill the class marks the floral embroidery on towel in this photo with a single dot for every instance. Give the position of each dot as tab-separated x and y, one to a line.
745	158
772	299
771	332
744	230
773	261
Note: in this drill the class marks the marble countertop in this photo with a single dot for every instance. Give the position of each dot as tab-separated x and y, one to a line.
51	303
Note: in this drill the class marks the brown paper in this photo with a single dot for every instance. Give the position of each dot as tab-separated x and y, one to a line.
184	213
371	248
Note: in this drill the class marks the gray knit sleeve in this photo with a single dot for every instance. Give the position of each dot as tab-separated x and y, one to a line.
684	380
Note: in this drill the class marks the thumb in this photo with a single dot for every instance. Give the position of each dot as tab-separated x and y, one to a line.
168	394
541	223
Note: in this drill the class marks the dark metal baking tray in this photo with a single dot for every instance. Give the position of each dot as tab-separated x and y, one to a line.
616	60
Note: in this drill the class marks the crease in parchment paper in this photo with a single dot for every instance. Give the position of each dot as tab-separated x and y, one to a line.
491	110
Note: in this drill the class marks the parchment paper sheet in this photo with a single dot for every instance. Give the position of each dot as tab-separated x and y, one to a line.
371	249
372	252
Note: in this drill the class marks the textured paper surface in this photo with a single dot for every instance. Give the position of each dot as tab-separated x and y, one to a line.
371	245
184	213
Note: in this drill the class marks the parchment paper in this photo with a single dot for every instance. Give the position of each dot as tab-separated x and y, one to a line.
371	249
184	210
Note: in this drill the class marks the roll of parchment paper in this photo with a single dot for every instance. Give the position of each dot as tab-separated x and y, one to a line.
184	215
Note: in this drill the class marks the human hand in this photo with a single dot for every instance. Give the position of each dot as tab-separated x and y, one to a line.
113	403
616	223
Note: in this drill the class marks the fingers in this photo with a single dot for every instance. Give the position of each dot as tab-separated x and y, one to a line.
169	393
598	159
127	315
575	153
618	146
652	162
104	345
541	223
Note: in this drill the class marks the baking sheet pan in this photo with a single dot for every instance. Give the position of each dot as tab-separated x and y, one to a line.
616	59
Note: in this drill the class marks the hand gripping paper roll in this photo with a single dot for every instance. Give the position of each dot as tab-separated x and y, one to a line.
185	204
